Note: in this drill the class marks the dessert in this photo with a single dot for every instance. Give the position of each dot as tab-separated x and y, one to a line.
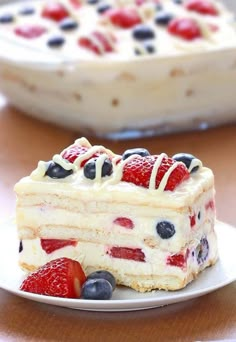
147	219
149	66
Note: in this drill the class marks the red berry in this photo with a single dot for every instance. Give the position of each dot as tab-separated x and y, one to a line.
135	254
123	17
51	245
75	3
75	151
192	220
55	11
202	6
30	31
185	28
210	205
105	43
138	171
178	260
61	277
124	222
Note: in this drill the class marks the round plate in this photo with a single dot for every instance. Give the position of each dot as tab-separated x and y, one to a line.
124	299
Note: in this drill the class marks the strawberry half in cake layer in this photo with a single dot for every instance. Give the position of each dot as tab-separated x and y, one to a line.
148	219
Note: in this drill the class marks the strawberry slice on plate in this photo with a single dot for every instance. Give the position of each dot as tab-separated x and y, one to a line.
61	277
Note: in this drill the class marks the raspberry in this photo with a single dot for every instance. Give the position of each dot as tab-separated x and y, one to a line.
204	7
55	11
51	245
185	28
124	222
103	41
30	31
61	277
123	17
135	254
138	171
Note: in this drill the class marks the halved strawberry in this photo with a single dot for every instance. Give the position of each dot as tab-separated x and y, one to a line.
75	3
55	11
124	222
135	254
73	152
186	28
61	277
51	245
97	42
178	260
205	7
123	17
138	171
30	31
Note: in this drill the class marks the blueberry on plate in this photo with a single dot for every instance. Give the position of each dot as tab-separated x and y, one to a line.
140	151
56	171
99	289
103	274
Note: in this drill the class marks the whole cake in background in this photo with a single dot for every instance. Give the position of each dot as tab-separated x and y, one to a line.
147	219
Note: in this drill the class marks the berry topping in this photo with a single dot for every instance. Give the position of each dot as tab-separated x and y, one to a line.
102	8
97	42
55	11
56	42
178	2
192	220
27	11
92	2
165	229
163	18
205	7
189	160
139	170
135	254
20	246
73	152
51	245
202	250
57	171
143	32
61	277
123	17
99	289
103	274
124	222
90	168
30	31
178	260
185	28
140	151
6	18
68	24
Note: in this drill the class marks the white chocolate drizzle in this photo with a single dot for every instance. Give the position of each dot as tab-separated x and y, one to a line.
57	158
194	163
40	171
152	183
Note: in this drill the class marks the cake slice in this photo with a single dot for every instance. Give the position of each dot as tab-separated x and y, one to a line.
148	219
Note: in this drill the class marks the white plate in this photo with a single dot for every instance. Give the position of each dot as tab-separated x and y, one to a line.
124	299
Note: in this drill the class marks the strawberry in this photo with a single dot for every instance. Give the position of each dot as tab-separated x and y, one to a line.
186	28
192	220
138	171
30	31
204	7
55	11
103	44
51	245
73	152
135	254
123	17
124	222
178	260
75	3
61	277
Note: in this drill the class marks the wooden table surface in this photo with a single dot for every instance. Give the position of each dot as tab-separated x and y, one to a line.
23	142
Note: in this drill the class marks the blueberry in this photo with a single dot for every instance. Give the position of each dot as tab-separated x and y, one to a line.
150	48
68	24
202	250
159	7
103	8
140	151
92	2
102	274
165	229
178	2
56	171
56	41
6	18
20	246
163	18
199	215
187	159
90	168
27	11
99	289
143	32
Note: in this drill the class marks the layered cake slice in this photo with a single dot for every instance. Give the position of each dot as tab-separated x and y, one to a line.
148	219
